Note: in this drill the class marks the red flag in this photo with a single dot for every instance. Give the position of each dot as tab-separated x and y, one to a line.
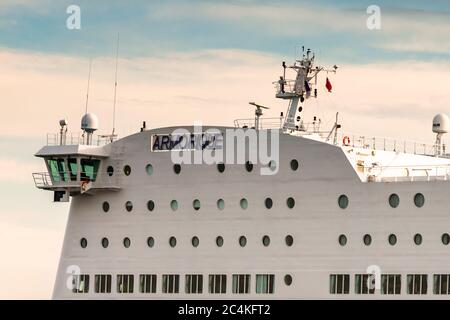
328	85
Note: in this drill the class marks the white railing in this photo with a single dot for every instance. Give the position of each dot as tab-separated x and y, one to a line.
57	139
388	144
43	180
264	123
407	173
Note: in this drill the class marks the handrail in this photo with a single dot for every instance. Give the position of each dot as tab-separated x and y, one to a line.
69	138
64	179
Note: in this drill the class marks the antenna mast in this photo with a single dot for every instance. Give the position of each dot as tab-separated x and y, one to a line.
115	90
88	85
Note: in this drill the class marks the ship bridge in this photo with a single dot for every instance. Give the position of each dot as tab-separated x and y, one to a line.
75	165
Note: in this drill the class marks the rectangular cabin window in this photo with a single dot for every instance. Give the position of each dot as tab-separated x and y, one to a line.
362	282
265	283
194	283
391	283
80	283
339	283
89	169
171	283
217	283
125	283
241	283
58	171
147	283
73	168
441	284
103	283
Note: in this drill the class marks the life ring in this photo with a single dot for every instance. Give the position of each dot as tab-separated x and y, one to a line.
84	186
346	141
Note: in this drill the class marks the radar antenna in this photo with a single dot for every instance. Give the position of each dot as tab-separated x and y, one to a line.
258	113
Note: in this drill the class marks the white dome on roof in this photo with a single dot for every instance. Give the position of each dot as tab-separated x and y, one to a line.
89	122
441	123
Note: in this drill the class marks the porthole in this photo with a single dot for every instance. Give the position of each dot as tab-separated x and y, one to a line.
244	203
392	239
288	279
150	205
105	242
83	243
289	240
272	165
266	241
343	201
172	241
242	241
445	239
418	239
110	171
419	200
196	204
219	241
367	239
342	240
150	242
290	202
129	206
248	166
394	200
126	242
268	202
105	206
149	169
174	205
221	167
294	165
220	204
177	168
195	242
127	170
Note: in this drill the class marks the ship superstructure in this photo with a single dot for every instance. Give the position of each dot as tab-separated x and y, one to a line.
340	216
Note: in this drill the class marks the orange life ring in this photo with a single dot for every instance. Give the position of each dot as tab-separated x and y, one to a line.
346	141
84	185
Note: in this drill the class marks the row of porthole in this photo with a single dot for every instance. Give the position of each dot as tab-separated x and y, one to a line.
196	204
394	200
220	167
392	239
195	241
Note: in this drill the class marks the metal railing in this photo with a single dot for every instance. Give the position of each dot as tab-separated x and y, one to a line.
45	180
264	123
407	173
57	139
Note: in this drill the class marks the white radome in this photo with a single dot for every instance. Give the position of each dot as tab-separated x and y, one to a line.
441	123
89	122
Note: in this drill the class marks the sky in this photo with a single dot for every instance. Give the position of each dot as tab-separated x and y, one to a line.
186	61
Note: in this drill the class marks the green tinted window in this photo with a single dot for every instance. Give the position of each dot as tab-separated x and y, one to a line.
73	168
89	169
58	170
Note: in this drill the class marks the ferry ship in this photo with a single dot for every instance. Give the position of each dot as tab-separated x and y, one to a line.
327	215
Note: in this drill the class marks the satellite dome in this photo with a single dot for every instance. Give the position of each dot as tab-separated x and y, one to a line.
89	122
441	123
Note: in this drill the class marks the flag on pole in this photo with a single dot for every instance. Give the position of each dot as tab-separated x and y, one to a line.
328	85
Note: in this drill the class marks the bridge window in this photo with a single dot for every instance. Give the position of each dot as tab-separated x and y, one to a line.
58	170
147	283
339	283
417	283
241	283
265	283
194	283
103	283
89	169
73	168
217	283
171	283
125	283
